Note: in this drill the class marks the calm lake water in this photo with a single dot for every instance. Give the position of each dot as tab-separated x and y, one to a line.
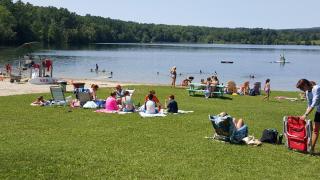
150	63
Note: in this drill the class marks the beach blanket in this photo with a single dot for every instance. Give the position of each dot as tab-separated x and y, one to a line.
179	112
143	114
287	98
111	112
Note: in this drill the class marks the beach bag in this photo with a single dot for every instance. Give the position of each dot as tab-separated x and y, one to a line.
252	92
269	136
90	105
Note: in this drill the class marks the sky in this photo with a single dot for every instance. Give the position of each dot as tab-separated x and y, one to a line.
273	14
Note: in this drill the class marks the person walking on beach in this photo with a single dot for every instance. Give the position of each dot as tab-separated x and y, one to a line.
313	98
173	74
267	89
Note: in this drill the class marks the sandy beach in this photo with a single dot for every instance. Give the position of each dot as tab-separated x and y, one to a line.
7	88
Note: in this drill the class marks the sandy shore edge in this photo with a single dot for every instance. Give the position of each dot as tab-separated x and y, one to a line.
7	88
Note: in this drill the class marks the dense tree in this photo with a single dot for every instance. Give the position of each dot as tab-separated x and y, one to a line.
22	22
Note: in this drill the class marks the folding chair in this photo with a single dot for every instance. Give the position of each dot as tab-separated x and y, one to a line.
298	133
84	97
226	130
58	95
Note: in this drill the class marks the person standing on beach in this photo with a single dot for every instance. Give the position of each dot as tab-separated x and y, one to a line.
173	74
313	98
267	89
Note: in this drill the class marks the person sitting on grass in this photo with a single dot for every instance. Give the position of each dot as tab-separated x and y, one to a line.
172	106
127	103
111	102
244	89
39	102
150	105
93	91
154	99
119	93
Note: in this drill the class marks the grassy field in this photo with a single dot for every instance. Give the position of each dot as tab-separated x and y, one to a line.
54	143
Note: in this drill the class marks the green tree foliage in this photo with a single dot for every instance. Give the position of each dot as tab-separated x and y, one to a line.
22	22
7	23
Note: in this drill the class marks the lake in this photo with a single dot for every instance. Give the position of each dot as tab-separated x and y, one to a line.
150	63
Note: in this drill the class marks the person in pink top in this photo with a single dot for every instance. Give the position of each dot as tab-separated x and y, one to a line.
111	102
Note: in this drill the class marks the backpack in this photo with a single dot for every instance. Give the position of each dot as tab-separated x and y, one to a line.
252	92
269	136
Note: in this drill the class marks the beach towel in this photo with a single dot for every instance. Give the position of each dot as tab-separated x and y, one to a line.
111	112
287	98
90	105
179	112
143	114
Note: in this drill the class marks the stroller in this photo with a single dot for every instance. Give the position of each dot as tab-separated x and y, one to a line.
298	133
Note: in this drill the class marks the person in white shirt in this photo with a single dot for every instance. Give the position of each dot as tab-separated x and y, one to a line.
150	106
313	98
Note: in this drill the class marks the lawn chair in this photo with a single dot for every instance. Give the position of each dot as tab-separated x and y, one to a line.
58	95
84	97
226	131
298	133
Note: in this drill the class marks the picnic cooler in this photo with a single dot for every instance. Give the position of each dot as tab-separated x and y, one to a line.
298	133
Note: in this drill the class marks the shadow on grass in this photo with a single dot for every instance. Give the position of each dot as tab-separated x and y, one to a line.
223	97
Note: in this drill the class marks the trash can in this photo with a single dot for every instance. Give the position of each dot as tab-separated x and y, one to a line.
63	85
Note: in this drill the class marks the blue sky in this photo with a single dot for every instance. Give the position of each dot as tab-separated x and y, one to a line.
275	14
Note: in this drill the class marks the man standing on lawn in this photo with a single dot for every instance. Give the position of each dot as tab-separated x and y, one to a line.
313	97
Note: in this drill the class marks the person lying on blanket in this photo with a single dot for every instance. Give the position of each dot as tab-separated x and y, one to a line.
111	102
172	106
154	99
150	105
127	103
39	102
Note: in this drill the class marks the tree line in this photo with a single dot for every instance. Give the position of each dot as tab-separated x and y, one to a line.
22	22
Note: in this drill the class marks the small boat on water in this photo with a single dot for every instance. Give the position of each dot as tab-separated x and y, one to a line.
227	62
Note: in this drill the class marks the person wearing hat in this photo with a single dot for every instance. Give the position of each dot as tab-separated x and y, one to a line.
173	74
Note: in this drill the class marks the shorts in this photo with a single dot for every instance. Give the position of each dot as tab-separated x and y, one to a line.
317	117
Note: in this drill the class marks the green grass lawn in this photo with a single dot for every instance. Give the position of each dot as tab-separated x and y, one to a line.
52	143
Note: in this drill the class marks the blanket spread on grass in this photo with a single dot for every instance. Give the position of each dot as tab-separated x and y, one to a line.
111	112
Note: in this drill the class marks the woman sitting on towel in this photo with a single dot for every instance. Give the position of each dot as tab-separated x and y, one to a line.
127	103
150	105
244	89
111	102
154	99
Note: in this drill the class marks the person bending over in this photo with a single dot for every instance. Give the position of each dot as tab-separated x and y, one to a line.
313	98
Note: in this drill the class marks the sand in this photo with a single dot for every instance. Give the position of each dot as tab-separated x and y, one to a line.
7	88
